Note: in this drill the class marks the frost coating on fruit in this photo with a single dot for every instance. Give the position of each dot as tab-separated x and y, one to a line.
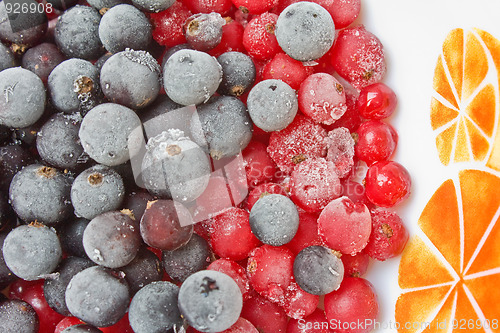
76	33
154	308
340	150
7	59
74	86
305	31
318	270
204	31
22	97
32	251
238	73
124	26
175	167
17	316
272	105
119	78
41	193
153	6
274	219
97	190
191	77
98	296
210	301
110	133
81	329
225	125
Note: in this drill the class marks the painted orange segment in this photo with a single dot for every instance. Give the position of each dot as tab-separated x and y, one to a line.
440	222
488	257
419	260
481	109
475	65
465	313
462	152
479	143
442	85
444	316
441	114
444	143
453	54
486	293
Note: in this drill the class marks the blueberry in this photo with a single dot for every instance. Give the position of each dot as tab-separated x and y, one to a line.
119	78
238	73
112	239
226	126
76	33
305	31
41	193
144	269
62	4
136	202
203	31
103	5
210	301
318	270
74	86
57	141
274	219
191	77
7	59
172	50
154	308
97	190
32	251
272	105
175	167
17	316
188	259
124	26
99	296
42	59
109	132
153	6
157	117
71	236
22	99
82	328
12	159
25	29
6	275
102	59
54	287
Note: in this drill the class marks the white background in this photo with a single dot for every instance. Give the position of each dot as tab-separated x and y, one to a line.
412	33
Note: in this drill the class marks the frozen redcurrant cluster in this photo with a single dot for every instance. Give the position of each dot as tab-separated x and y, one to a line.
193	166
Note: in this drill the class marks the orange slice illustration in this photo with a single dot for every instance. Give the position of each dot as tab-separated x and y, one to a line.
465	107
450	276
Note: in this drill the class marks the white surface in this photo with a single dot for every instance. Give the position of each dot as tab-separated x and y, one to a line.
412	33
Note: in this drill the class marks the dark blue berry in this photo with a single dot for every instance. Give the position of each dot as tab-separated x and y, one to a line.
204	31
17	316
24	29
6	275
7	58
12	159
82	328
42	59
238	73
153	6
71	236
144	269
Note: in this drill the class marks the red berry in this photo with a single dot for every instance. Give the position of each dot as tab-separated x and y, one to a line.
356	265
266	316
67	322
286	69
298	303
343	12
355	191
241	326
352	308
235	271
32	293
358	57
167	24
259	39
255	6
258	164
201	6
314	183
345	226
263	190
351	118
314	323
307	234
232	39
231	236
322	98
302	139
389	235
377	141
387	183
340	150
270	271
123	326
376	101
213	201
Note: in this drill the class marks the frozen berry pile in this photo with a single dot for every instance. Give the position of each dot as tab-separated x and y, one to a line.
193	166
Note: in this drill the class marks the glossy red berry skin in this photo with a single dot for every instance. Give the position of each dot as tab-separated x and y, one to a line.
231	236
67	322
262	190
307	234
376	141
354	302
255	6
259	39
32	293
232	39
234	270
389	235
387	183
266	316
377	101
286	69
298	303
357	265
259	166
167	24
